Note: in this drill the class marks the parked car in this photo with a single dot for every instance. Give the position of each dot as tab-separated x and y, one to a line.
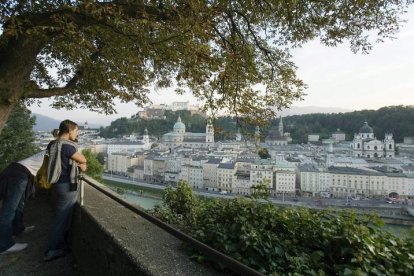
223	192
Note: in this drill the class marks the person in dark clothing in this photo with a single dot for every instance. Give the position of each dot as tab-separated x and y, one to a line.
64	156
16	186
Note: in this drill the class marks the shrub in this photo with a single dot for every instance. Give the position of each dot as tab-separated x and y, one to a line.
273	240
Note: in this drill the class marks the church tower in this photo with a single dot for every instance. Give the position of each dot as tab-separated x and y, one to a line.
209	134
281	126
257	136
238	135
357	146
389	146
145	138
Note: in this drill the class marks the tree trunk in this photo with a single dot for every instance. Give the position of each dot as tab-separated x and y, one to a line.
5	111
17	61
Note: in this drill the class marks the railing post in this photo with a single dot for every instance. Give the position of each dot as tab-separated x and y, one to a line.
82	191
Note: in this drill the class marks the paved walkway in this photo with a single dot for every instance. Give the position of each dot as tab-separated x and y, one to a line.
38	212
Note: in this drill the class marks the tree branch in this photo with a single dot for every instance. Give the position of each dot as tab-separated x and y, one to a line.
47	93
36	92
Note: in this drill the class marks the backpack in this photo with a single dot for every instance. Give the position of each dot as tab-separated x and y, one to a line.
41	176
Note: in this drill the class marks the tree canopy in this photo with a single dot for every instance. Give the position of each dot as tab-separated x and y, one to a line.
86	53
17	137
95	168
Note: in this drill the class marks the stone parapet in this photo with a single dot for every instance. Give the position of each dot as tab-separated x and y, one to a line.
109	239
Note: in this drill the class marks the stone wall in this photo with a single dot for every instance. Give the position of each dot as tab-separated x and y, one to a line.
109	239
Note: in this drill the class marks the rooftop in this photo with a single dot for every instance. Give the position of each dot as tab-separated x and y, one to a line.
226	166
349	170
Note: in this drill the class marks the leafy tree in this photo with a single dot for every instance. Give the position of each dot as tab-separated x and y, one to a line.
95	169
101	157
261	190
86	53
16	140
263	153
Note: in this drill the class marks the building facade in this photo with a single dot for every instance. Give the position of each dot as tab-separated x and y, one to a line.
365	145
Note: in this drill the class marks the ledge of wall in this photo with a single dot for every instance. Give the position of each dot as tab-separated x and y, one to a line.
109	239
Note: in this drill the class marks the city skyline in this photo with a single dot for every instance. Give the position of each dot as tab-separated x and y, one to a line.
335	76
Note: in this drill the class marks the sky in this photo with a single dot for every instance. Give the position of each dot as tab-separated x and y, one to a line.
335	76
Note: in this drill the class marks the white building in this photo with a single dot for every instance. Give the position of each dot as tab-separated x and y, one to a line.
210	173
352	182
226	177
172	169
243	184
184	173
179	137
365	145
285	178
261	171
127	147
313	137
195	177
120	162
339	135
137	172
312	180
175	106
154	169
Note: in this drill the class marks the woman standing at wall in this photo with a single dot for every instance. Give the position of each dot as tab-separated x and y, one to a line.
64	161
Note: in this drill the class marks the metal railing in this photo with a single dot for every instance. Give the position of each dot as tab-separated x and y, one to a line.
210	252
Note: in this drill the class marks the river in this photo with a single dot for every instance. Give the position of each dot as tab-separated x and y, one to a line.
144	202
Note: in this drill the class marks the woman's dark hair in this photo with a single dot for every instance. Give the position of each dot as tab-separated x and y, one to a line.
66	126
55	133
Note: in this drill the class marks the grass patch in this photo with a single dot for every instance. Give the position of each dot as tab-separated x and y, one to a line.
145	190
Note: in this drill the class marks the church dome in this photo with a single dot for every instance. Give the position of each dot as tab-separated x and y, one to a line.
179	125
366	128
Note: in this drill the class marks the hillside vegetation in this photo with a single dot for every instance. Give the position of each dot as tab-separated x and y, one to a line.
398	120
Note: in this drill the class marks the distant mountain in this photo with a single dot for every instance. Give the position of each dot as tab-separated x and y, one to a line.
301	110
44	123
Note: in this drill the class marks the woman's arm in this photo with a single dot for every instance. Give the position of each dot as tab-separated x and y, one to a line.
83	167
78	157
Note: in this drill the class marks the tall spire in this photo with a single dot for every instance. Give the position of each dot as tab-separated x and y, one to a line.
257	137
281	126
